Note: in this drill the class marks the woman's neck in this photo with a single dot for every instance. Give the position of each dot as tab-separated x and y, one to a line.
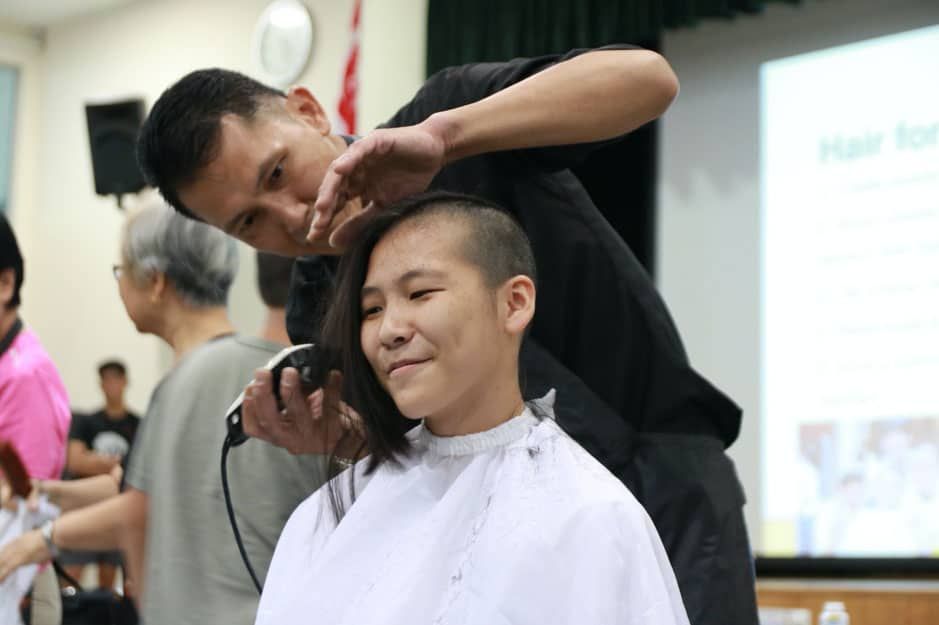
190	328
482	407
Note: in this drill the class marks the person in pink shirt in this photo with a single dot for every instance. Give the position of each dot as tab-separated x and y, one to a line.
34	406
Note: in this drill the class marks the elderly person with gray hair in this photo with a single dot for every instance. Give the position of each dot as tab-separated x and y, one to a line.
173	278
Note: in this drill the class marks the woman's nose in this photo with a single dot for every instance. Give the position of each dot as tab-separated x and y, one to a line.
395	328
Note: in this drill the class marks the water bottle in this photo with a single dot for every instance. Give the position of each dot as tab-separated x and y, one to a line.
833	613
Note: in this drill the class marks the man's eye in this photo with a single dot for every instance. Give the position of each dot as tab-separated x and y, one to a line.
422	293
276	174
247	222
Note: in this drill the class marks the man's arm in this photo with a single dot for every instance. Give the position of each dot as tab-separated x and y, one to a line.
116	523
83	462
74	494
594	96
591	97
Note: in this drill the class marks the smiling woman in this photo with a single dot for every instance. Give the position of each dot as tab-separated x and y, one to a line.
479	513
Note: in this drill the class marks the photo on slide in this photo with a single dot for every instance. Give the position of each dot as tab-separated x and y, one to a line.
866	480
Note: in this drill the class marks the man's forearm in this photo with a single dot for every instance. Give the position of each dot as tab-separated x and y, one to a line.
594	96
78	493
133	545
88	463
104	525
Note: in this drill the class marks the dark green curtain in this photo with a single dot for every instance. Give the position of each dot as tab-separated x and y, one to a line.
464	31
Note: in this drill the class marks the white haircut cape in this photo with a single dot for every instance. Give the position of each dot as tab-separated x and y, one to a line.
516	525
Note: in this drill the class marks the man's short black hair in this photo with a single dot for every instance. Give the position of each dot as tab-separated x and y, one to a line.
180	135
112	365
10	258
274	279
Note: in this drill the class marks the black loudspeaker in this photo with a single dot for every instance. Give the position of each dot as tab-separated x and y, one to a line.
112	133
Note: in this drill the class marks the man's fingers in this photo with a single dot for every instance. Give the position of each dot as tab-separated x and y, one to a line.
327	203
265	404
6	497
296	409
117	474
352	420
346	178
249	420
357	180
333	386
331	393
351	158
375	143
315	402
289	384
347	232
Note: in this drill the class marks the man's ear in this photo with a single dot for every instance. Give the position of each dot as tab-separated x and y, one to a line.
303	106
7	285
518	303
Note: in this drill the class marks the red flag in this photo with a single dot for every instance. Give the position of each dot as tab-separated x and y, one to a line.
350	79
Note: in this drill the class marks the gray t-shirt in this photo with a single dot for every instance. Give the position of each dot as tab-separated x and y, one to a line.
194	573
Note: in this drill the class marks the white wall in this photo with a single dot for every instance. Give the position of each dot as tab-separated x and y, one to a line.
69	235
709	229
20	48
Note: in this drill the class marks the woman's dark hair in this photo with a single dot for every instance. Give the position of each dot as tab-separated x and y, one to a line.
494	242
10	258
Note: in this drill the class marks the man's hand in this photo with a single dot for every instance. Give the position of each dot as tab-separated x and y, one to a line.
117	474
6	495
381	168
85	462
308	424
32	501
11	501
27	549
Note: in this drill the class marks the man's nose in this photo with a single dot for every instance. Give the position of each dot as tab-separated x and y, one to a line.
295	217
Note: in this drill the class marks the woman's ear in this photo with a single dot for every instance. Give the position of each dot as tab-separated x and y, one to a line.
157	286
303	106
518	303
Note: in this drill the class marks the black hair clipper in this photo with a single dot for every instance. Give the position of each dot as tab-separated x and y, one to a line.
311	362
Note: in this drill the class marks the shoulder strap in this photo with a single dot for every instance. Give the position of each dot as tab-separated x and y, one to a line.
61	572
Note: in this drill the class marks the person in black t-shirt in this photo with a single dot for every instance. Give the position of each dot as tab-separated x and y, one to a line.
102	440
100	443
265	167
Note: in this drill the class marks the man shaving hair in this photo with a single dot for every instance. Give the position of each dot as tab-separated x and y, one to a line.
266	167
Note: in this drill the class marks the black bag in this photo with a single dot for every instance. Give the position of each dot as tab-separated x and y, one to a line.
91	607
